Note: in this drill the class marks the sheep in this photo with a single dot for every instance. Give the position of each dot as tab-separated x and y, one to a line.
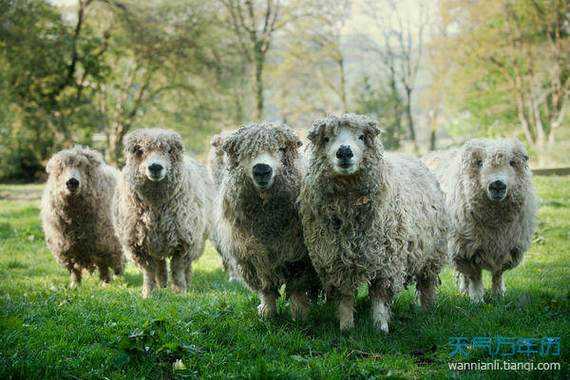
217	163
492	207
76	214
162	207
370	217
259	217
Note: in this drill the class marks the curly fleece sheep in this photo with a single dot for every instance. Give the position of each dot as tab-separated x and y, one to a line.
261	226
217	163
162	207
370	217
492	205
76	213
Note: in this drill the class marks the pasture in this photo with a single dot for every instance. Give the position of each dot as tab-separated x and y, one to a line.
48	330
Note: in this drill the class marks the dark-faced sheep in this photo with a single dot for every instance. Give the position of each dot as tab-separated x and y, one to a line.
162	207
261	226
370	218
492	208
76	213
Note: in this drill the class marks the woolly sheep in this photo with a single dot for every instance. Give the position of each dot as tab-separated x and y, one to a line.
370	217
217	163
492	207
261	226
162	207
76	213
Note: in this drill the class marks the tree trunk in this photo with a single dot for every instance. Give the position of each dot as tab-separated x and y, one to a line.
115	143
342	75
409	116
259	65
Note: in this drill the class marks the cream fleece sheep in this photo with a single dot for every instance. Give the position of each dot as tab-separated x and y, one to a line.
259	220
217	163
76	213
370	218
162	207
492	205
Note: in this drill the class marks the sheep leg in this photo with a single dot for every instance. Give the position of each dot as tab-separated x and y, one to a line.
380	308
178	273
346	312
268	306
476	288
161	273
149	281
188	274
462	283
426	291
104	274
75	277
119	266
498	286
299	305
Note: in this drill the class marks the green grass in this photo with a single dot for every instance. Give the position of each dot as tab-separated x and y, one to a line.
48	330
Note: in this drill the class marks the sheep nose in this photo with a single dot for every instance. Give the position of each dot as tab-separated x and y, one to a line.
497	186
155	168
72	184
344	152
262	170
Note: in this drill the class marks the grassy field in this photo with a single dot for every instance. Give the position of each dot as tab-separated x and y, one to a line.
48	330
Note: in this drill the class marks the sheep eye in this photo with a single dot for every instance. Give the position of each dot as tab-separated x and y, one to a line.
326	140
137	150
361	137
479	163
512	163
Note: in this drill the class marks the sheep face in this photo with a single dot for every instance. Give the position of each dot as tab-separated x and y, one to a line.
72	169
153	155
261	151
343	141
495	168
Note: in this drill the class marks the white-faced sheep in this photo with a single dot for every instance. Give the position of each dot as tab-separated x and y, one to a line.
370	217
217	163
258	208
162	207
76	213
492	208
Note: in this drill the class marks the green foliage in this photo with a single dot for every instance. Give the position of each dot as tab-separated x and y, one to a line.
50	331
384	105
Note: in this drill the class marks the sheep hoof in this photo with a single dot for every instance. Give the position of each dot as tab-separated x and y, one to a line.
347	324
178	289
382	326
266	311
299	311
146	293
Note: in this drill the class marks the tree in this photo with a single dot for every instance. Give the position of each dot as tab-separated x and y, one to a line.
312	52
400	48
383	103
51	68
513	63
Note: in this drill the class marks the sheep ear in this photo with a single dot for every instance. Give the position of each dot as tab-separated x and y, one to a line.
316	131
473	149
291	139
52	164
519	149
372	129
176	144
94	157
230	147
216	141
